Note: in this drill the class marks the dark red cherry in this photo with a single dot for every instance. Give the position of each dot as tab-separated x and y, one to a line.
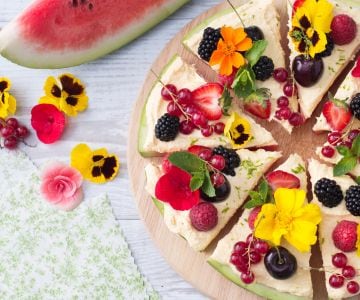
307	71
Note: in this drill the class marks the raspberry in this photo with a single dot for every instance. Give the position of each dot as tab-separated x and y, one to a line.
343	29
345	235
204	216
252	217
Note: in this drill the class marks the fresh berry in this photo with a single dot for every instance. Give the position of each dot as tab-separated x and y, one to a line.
190	109
280	263
232	159
328	151
348	272
283	113
337	114
227	80
186	127
173	109
355	106
353	134
253	215
21	132
10	142
206	99
356	71
240	261
169	92
352	287
296	119
282	101
240	248
334	138
254	33
347	144
197	149
222	192
259	108
255	257
205	154
12	122
184	96
199	120
344	235
343	29
352	200
264	68
250	240
328	192
261	247
290	89
217	179
167	128
247	277
166	164
329	47
7	131
280	74
280	179
339	260
209	42
203	216
207	131
219	128
336	281
218	162
307	71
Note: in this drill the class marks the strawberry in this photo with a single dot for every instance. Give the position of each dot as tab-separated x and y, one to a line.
196	149
343	29
258	104
337	114
280	179
227	80
345	235
252	217
206	99
356	71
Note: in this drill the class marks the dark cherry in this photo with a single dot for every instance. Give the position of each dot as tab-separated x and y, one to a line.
280	263
307	71
221	192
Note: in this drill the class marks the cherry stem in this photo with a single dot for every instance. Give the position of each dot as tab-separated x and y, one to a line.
236	12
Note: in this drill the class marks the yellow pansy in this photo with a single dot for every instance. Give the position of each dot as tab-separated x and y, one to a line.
96	166
67	94
238	130
7	101
289	218
310	24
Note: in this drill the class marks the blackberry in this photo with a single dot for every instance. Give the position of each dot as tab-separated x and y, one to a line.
232	159
328	192
329	47
352	200
264	68
254	33
355	106
167	128
209	43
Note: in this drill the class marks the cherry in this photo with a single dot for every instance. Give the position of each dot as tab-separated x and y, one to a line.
219	128
11	142
334	138
307	71
173	109
348	272
199	120
169	92
205	154
22	132
328	151
184	96
240	248
353	287
218	162
353	134
336	281
186	127
217	179
282	101
12	122
255	257
290	89
339	260
296	119
7	131
207	131
247	277
261	247
280	74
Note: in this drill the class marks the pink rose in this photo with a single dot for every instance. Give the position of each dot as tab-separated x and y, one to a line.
61	186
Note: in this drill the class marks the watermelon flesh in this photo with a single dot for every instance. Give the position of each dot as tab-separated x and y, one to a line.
64	33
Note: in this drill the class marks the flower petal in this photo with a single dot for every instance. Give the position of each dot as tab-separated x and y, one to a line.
72	85
239	35
50	100
227	33
12	104
226	66
52	88
289	200
216	57
244	45
310	212
302	235
237	60
5	84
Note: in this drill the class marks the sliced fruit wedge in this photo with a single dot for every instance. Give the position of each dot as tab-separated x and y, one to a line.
185	76
253	165
298	286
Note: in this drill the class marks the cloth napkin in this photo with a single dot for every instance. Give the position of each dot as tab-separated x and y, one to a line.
50	254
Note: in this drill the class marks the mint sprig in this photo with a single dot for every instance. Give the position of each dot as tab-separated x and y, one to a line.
200	176
225	101
261	196
350	158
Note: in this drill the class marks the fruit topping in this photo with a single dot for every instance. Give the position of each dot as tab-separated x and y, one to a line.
209	42
205	154
217	179
282	102
329	47
343	29
296	119
167	128
206	99
197	149
328	151
264	68
261	247
328	192
334	138
222	192
344	235
352	200
356	71
280	74
355	106
258	107
184	96
339	260
12	133
204	216
252	216
283	114
166	165
227	80
307	71
348	272
219	128
290	89
280	263
254	33
353	134
281	179
336	281
173	109
186	127
352	287
218	162
337	114
247	277
232	159
169	92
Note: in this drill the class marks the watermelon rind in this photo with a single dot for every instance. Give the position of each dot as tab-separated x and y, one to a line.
24	53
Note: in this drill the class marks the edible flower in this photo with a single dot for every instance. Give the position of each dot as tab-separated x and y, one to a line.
48	122
96	166
61	186
7	101
227	53
310	24
67	94
174	188
289	217
238	130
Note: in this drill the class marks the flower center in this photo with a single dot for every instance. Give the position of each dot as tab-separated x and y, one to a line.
284	220
229	49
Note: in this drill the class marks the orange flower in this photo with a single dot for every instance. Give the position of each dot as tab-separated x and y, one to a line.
227	54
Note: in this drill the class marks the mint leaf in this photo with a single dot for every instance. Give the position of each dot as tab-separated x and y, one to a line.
344	151
263	189
225	101
355	149
244	82
253	203
345	165
187	162
197	180
254	54
260	197
207	186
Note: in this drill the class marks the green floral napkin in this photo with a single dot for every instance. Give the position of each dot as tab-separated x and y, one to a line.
50	254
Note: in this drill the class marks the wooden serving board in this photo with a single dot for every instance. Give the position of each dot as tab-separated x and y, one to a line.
189	264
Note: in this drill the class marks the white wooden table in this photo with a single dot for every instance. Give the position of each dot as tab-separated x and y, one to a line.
112	83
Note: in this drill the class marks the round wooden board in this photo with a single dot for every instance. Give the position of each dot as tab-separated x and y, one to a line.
189	264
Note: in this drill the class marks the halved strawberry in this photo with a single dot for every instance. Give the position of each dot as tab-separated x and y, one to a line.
258	103
206	99
356	71
337	114
280	179
196	149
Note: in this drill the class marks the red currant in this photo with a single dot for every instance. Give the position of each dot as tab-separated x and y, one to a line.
283	113
250	240
280	74
347	144
207	131
190	109
328	151
218	162
12	122
255	257
169	92
348	272
199	120
235	259
186	127
205	154
353	287
219	128
184	96
353	134
339	260
336	281
334	138
282	101
173	109
7	131
290	89
247	277
240	248
22	132
261	247
296	119
11	142
243	267
217	179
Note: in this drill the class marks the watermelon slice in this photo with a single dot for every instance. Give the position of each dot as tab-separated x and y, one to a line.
64	33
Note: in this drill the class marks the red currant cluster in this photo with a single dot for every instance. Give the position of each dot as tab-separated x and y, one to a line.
12	133
337	139
180	104
290	90
247	253
339	260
